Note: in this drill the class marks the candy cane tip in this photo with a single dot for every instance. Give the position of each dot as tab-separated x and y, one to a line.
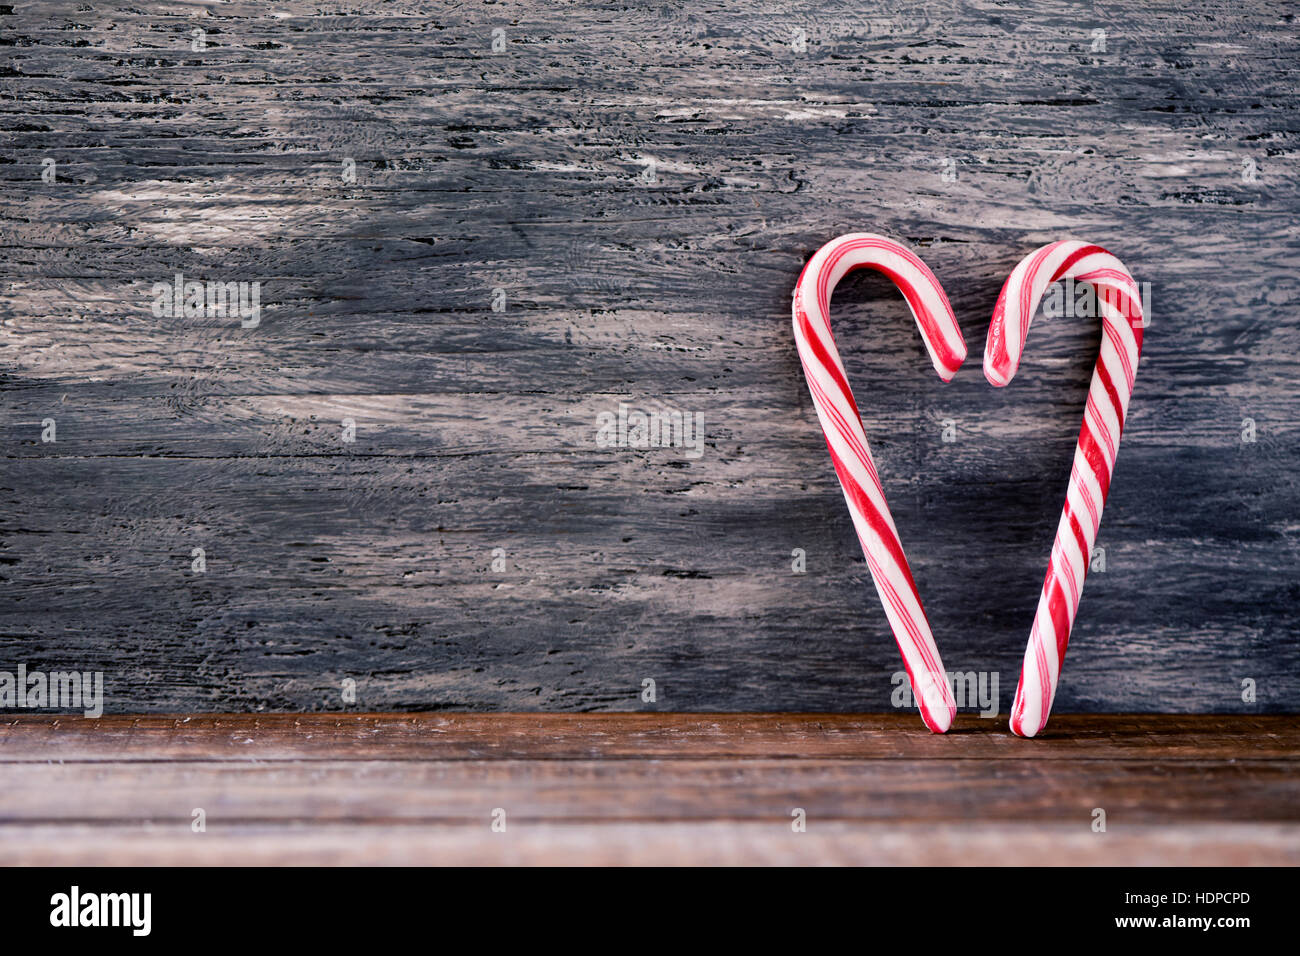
939	723
997	375
947	368
1022	727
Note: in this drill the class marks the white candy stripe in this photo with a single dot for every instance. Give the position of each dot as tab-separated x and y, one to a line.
847	442
1119	304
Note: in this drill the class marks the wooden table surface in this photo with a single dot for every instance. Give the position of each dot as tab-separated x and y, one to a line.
642	184
640	788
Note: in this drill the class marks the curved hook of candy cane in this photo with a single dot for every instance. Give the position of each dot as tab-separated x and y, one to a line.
1120	305
842	425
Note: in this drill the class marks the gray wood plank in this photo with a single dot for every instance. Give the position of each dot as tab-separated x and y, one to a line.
1175	146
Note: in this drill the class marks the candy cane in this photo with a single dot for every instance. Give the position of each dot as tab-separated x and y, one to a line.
842	425
1094	455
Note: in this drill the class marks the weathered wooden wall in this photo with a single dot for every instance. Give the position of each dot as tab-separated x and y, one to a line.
645	183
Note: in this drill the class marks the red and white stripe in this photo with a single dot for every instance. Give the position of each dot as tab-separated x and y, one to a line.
1120	304
842	425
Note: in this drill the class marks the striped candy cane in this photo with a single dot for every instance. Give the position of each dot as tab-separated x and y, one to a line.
842	425
1094	456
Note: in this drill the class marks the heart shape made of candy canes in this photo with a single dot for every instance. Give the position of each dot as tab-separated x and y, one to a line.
1094	458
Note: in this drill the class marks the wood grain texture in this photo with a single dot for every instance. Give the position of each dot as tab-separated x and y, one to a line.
526	170
653	844
641	788
223	738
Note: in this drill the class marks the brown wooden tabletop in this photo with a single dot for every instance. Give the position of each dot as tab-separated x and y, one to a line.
647	788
